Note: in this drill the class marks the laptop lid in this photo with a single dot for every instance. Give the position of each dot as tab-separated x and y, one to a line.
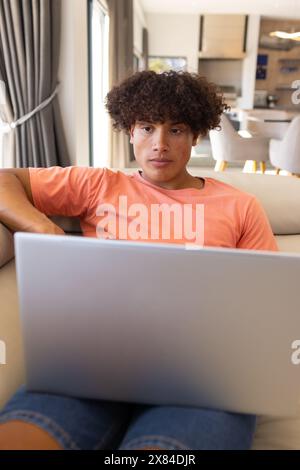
160	324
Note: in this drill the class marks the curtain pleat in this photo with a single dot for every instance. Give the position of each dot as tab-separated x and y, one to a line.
34	143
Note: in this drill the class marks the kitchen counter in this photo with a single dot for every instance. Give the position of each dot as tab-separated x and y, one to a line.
295	109
268	122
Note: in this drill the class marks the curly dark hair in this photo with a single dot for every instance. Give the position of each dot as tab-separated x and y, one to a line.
157	97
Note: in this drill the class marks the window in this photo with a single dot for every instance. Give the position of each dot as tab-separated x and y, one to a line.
136	63
1	145
2	125
99	69
163	64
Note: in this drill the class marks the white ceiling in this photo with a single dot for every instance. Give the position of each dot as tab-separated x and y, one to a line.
283	8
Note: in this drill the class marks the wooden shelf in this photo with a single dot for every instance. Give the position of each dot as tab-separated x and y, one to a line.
289	60
283	87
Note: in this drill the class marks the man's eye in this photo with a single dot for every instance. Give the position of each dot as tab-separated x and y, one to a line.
175	130
147	129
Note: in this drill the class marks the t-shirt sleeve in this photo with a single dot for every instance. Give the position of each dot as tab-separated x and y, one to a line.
256	231
63	191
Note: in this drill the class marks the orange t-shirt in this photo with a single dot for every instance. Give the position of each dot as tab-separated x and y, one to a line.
116	205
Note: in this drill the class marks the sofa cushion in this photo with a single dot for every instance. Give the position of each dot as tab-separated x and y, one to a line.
277	433
12	373
289	243
279	196
6	245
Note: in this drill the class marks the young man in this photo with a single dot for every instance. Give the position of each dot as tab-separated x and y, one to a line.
164	115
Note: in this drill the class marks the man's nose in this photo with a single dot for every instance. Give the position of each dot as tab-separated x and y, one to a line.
160	142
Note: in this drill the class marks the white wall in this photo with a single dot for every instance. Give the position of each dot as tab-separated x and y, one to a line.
285	8
73	76
249	63
223	72
139	22
174	35
178	35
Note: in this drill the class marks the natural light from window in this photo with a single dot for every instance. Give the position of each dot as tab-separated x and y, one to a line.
2	103
99	82
1	144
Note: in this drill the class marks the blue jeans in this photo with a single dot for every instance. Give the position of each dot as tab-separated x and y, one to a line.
89	424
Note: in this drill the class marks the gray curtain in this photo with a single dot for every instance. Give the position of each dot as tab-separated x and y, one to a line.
29	56
120	67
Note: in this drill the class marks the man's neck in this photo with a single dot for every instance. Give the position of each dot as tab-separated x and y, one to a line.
185	182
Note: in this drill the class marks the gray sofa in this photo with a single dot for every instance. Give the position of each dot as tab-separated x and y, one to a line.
280	197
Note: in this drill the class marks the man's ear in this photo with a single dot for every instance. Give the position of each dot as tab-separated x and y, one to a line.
131	131
195	139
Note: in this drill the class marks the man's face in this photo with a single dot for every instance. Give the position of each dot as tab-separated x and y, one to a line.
162	149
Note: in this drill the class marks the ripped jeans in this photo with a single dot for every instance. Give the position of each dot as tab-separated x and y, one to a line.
92	424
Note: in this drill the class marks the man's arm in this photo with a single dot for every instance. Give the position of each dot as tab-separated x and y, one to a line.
17	211
257	232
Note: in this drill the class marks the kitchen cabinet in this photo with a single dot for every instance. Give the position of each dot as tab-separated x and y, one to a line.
223	36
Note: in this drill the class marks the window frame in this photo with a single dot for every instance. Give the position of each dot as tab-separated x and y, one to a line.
105	77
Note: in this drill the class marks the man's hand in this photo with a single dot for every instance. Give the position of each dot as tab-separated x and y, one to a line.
47	227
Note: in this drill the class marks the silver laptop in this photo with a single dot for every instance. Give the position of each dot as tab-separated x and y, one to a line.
160	324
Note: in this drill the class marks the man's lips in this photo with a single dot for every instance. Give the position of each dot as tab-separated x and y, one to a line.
158	162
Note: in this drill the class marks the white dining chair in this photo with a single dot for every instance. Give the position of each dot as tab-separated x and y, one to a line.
285	153
228	146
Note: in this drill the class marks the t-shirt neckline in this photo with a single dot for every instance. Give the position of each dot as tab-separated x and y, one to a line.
140	178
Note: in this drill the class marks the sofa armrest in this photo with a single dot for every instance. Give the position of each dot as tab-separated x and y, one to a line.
68	224
6	245
12	373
